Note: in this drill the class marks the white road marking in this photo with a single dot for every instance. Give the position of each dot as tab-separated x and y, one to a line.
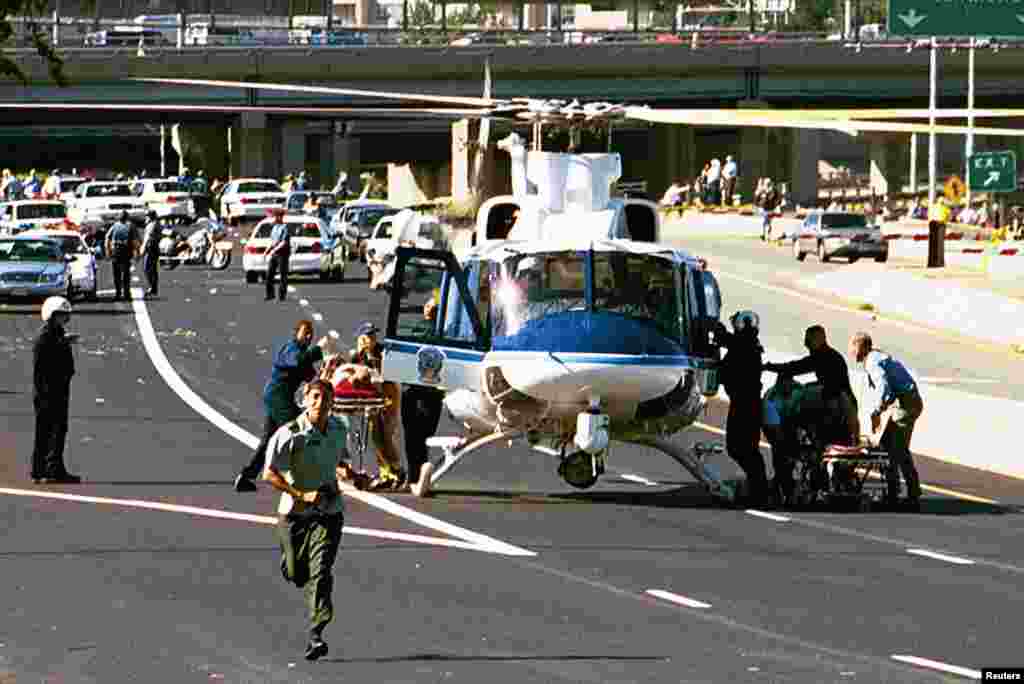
303	302
174	381
768	516
291	288
936	665
229	515
956	560
952	381
317	317
676	598
637	478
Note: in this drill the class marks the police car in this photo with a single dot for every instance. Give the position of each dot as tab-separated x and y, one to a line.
168	197
84	281
312	249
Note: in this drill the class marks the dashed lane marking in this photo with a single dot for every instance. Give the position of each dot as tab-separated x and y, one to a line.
936	665
637	478
926	487
676	598
318	317
229	515
956	560
767	516
303	302
199	405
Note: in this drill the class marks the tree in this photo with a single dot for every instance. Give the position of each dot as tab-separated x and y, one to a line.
421	14
811	15
32	11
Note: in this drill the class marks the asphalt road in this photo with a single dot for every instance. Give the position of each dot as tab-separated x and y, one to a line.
761	277
163	574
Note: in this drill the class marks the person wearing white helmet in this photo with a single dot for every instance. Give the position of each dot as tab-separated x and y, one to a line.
53	365
741	376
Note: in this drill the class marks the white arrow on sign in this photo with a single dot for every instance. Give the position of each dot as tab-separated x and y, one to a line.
993	176
1020	18
912	18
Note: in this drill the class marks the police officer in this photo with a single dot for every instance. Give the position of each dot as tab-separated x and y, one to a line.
278	253
120	246
151	254
53	364
741	376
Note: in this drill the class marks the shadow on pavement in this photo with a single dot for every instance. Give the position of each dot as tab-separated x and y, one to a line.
449	658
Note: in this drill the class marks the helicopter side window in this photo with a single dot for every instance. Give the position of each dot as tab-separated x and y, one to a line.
421	284
427	305
641	287
500	220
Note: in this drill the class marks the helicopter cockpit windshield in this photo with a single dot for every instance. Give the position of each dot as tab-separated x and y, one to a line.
642	287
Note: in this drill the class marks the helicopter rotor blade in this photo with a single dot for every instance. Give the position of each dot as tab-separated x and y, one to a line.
322	90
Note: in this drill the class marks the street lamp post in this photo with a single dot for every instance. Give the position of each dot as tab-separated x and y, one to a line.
969	147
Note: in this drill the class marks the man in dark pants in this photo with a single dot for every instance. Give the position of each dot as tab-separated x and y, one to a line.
52	368
421	412
278	253
151	254
741	376
293	365
120	246
305	460
841	424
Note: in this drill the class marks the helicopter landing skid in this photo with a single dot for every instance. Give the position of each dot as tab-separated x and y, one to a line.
693	462
455	448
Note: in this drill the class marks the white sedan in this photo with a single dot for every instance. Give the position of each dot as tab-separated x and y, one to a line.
103	202
167	197
250	198
310	244
16	217
84	282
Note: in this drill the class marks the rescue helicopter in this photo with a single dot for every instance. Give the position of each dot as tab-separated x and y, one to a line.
567	324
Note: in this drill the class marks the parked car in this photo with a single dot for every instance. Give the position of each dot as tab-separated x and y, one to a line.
84	281
33	267
296	202
250	198
168	197
355	222
23	215
102	203
837	234
406	228
312	244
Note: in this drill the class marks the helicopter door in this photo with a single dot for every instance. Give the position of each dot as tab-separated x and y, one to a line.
439	345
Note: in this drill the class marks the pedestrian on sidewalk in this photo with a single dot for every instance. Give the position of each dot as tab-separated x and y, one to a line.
278	253
53	365
305	459
151	254
294	363
896	391
730	176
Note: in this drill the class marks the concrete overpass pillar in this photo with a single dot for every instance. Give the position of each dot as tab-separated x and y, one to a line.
345	156
293	148
412	183
889	158
465	185
671	155
252	149
805	145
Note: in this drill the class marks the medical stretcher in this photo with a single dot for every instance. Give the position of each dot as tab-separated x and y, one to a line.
359	408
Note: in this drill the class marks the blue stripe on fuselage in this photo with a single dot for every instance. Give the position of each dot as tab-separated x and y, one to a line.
449	352
590	332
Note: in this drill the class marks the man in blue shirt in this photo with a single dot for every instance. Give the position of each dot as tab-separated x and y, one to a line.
278	253
294	364
892	384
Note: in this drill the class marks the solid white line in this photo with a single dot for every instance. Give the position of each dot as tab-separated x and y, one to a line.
200	406
941	556
768	516
637	478
676	598
953	381
936	665
230	515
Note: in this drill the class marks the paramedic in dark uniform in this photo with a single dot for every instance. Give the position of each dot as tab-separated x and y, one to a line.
741	376
120	246
278	253
421	412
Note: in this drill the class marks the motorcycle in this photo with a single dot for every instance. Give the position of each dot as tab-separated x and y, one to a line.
205	246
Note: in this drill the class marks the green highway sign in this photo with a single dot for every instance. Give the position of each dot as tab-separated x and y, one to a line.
992	172
956	18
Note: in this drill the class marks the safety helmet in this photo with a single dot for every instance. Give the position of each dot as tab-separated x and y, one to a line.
745	320
55	304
